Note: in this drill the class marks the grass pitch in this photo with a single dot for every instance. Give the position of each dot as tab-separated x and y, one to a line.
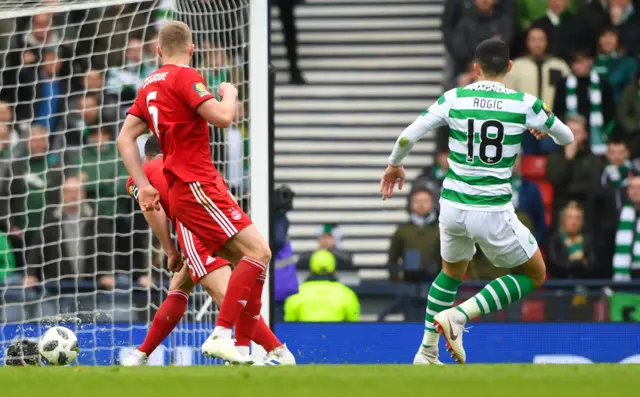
324	380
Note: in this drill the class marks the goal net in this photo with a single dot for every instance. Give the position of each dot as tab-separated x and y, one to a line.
75	249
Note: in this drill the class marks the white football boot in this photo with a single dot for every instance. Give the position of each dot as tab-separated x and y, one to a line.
279	356
135	359
225	349
427	356
450	324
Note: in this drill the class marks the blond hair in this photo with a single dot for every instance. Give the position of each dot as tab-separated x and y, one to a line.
175	37
572	205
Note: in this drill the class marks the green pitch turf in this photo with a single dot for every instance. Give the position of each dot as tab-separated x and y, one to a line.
310	381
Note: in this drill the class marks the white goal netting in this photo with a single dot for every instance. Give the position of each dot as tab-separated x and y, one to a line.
74	248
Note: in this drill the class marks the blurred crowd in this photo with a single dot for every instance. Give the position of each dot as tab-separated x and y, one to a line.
580	201
67	80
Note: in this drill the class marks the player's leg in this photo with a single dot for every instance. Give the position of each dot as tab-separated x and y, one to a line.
217	273
507	243
166	318
251	254
211	214
508	289
249	327
456	249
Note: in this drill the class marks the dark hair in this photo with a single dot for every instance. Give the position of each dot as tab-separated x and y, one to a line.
493	56
581	53
610	29
617	138
152	147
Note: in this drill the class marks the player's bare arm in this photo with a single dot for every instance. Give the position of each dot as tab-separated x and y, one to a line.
159	224
133	127
395	171
221	114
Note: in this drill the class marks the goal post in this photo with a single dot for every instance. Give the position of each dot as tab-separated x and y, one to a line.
74	249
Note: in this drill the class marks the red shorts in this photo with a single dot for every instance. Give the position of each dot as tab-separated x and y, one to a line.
200	262
208	210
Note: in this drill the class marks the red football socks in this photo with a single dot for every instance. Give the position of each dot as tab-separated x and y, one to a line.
239	291
263	336
167	317
251	325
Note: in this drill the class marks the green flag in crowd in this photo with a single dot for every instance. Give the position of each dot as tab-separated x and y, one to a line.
624	307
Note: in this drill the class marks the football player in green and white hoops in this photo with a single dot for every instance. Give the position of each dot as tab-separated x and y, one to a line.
486	123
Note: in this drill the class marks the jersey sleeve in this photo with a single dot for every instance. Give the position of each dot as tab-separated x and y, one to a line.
132	188
432	118
191	87
541	118
137	109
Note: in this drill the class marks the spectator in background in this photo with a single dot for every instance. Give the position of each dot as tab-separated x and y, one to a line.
322	298
481	21
432	176
621	14
26	52
583	92
606	197
533	10
330	239
626	260
571	249
122	82
105	177
287	19
526	198
12	191
67	239
571	170
285	275
612	64
7	120
215	66
43	178
43	92
564	30
414	249
93	82
7	260
150	55
437	172
629	113
86	115
537	73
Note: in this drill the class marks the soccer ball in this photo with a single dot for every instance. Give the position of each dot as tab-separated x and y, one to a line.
58	346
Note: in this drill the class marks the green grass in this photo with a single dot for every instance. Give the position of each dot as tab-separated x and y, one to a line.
340	380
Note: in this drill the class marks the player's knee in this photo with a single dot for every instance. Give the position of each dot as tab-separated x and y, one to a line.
181	285
262	254
539	280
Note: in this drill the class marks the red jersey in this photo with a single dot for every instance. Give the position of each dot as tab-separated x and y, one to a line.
167	102
153	170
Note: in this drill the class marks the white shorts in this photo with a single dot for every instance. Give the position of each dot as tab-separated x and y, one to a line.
502	237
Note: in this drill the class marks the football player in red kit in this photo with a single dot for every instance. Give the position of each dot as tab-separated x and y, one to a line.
176	105
211	272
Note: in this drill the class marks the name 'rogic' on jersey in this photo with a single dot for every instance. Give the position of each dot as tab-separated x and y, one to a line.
486	123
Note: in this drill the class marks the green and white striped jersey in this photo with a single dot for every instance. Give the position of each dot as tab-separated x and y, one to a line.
486	123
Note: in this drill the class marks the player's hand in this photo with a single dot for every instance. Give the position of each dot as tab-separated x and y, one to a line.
389	178
149	199
539	135
227	89
174	261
